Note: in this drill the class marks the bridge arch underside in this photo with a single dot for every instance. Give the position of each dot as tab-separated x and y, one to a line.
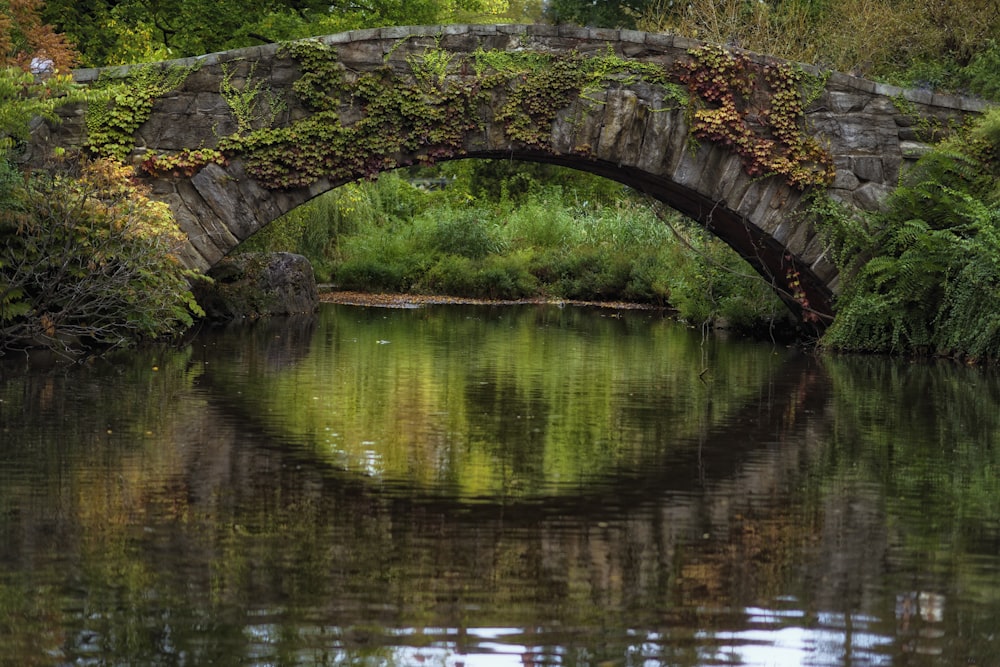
759	218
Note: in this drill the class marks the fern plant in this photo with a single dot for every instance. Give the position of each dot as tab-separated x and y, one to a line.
928	280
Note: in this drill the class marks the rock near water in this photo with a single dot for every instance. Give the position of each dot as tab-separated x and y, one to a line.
255	285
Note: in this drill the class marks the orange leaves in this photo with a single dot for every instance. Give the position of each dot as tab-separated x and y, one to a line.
755	111
29	44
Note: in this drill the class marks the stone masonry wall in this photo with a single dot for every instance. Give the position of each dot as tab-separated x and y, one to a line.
872	131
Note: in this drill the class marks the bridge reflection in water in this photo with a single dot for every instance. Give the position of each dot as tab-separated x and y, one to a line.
523	486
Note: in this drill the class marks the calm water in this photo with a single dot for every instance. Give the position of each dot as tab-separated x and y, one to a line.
516	486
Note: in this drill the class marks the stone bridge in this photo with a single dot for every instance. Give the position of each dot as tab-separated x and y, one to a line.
231	141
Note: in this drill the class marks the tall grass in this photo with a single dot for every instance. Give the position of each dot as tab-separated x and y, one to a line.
567	237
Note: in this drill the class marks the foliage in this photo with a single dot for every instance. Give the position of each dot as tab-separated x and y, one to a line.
929	277
29	43
397	116
25	97
608	13
425	119
130	31
521	236
908	42
87	258
123	102
182	163
768	138
253	105
982	74
546	84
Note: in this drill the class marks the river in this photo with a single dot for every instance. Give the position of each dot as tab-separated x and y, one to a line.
475	485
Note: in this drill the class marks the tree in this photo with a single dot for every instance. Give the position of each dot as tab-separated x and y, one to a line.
27	42
119	31
598	13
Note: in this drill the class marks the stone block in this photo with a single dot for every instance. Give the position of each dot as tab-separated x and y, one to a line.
366	34
677	143
210	247
336	39
781	231
398	32
655	140
882	106
512	28
814	248
856	134
284	73
605	34
222	198
913	150
541	30
87	75
460	43
801	235
619	114
686	43
573	31
204	80
868	168
845	179
364	52
971	104
660	40
691	166
733	183
174	105
871	196
918	95
846	102
632	36
191	258
887	90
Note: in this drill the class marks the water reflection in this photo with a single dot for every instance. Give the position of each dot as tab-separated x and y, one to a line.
523	486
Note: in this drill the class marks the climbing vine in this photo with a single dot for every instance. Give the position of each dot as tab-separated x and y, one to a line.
362	123
426	116
427	119
756	111
253	104
182	163
124	102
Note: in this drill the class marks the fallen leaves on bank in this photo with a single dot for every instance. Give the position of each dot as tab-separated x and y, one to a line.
420	300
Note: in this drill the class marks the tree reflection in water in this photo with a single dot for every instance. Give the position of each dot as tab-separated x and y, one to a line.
524	486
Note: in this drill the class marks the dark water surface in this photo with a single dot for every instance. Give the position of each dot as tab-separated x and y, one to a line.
517	486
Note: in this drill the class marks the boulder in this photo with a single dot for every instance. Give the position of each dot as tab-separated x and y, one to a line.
255	285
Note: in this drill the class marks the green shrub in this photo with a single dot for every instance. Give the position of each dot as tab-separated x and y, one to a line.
982	74
929	281
543	221
465	231
494	277
87	258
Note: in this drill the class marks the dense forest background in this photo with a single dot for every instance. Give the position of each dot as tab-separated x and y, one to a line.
922	277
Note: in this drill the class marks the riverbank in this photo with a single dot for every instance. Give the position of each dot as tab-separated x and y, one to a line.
418	300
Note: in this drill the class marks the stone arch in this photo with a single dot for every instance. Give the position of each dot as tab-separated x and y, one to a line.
629	130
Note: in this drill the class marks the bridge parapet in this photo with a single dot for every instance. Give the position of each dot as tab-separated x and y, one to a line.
628	130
